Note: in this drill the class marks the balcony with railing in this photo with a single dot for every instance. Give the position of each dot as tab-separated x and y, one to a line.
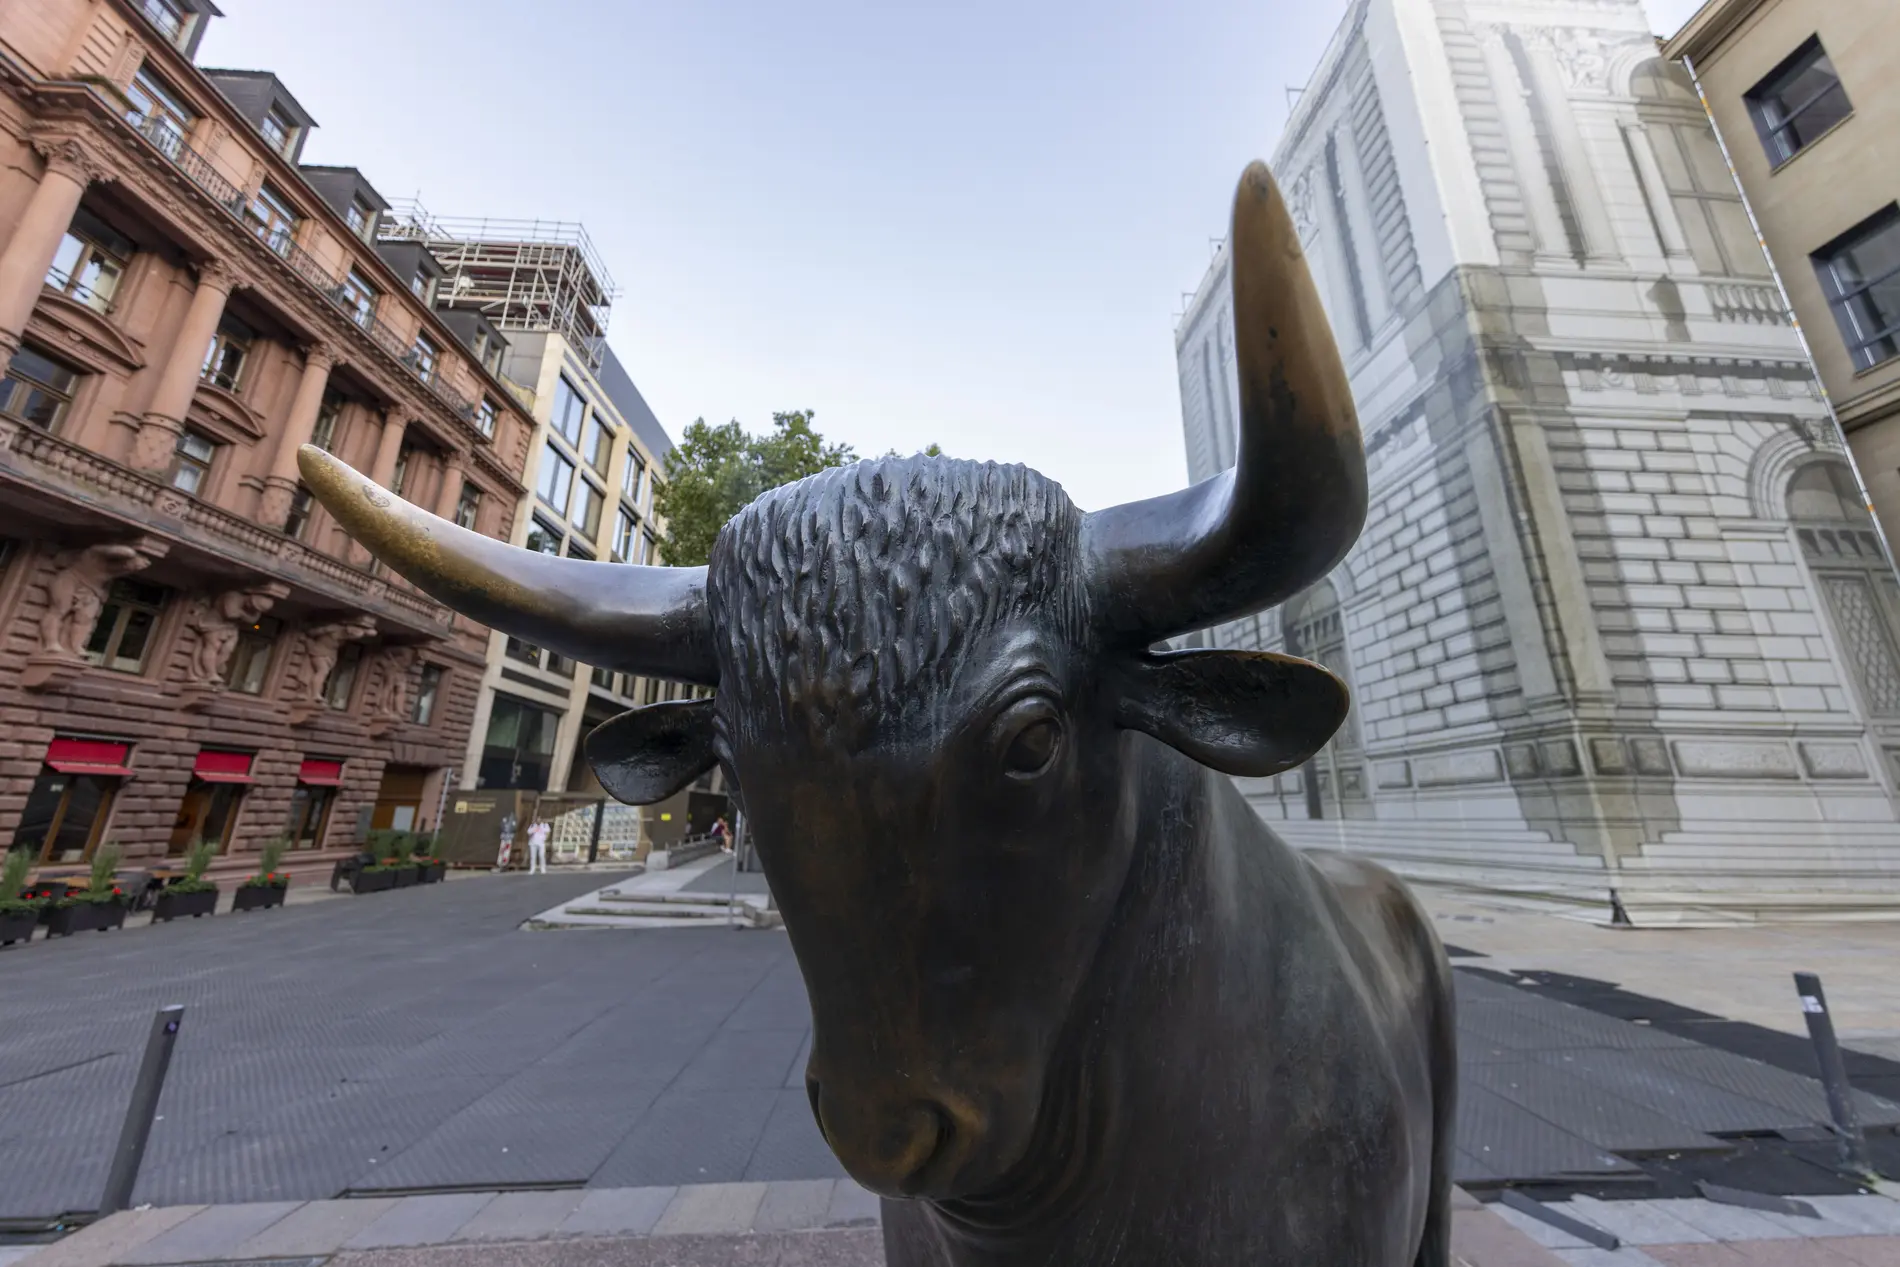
167	139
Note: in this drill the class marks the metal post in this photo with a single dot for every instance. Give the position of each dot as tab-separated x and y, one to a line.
139	1113
1827	1052
593	843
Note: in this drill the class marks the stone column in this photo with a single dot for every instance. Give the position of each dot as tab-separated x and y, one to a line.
454	473
383	469
1655	191
178	383
281	483
1520	135
23	265
1573	152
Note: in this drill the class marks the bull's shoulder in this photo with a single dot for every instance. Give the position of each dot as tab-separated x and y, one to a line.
1378	914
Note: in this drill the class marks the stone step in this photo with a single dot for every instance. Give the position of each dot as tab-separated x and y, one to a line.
658	910
720	900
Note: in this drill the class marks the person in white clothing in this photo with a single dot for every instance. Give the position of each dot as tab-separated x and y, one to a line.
538	847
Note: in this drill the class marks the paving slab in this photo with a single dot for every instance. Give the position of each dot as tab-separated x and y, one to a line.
1481	1239
794	1249
853	1203
212	1233
794	1205
424	1220
318	1227
520	1216
618	1211
104	1241
711	1208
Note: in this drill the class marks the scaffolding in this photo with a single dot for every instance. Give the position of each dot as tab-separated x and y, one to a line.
540	275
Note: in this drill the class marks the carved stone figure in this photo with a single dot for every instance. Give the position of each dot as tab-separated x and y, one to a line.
77	594
322	644
218	621
386	693
1073	1002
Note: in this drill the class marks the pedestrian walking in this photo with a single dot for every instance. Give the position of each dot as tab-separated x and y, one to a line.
721	834
538	846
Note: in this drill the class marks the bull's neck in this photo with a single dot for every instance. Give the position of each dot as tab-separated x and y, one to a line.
1131	1044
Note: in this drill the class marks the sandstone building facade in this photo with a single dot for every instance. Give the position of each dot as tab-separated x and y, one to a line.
1806	96
192	649
1618	621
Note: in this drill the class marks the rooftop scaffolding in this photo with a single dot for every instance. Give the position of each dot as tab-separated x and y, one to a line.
541	275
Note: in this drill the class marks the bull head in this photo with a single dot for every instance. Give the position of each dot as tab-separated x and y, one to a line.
937	689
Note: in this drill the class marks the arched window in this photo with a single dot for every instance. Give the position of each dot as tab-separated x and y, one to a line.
1316	630
1697	178
1850	569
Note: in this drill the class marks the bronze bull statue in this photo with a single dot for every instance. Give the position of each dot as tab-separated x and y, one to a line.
1073	1002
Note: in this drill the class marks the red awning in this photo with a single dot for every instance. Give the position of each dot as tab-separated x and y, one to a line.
319	773
89	756
223	767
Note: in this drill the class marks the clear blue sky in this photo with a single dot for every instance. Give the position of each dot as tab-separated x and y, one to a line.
966	223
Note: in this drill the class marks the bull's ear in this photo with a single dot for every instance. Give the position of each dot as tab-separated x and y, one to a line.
647	754
1242	712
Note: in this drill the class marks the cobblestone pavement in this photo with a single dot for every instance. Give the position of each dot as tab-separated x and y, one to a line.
417	1041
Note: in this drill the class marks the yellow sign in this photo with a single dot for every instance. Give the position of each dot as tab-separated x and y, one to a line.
666	818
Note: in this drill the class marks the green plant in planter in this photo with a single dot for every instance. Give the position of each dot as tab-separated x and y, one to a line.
269	859
12	880
196	861
100	888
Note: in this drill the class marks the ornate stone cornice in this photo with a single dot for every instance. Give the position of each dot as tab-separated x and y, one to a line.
66	156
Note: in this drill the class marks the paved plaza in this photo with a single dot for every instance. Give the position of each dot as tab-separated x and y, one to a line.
420	1042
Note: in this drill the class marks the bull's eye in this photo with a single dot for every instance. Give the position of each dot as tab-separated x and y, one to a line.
1031	735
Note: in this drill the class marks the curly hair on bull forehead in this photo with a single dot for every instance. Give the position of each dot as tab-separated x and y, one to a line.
834	595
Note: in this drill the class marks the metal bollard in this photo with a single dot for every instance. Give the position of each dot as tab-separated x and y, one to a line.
140	1112
1827	1052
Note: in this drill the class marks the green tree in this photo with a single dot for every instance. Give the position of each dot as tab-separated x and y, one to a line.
714	471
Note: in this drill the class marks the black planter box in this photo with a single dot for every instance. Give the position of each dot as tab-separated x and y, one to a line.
432	873
18	926
169	906
372	881
406	875
258	897
80	917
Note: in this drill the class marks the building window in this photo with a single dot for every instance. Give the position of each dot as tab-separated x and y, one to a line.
526	652
191	461
342	679
649	549
468	507
122	636
224	361
299	517
555	479
1799	100
587	503
543	539
90	261
633	478
485	417
64	815
250	659
576	550
420	286
1860	271
37	390
172	19
1695	175
569	409
309	813
361	218
323	434
271	218
430	685
519	747
359	298
422	357
279	129
626	535
598	446
603	678
158	111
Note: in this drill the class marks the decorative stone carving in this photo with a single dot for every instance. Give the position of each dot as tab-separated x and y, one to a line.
77	594
1299	201
75	597
218	620
386	693
321	646
66	156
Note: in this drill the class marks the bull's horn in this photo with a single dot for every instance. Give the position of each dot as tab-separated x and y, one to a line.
647	620
1292	506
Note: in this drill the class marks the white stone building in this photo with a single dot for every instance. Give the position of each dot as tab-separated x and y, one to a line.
1618	619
